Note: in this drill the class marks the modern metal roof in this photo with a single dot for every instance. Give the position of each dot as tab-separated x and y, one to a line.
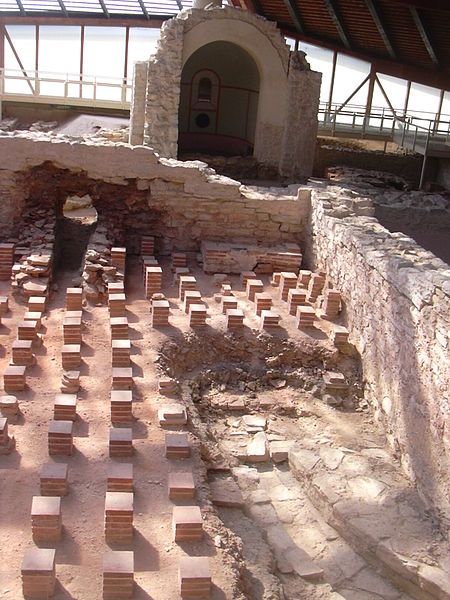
99	8
404	38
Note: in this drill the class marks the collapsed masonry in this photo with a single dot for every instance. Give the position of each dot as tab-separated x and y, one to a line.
396	294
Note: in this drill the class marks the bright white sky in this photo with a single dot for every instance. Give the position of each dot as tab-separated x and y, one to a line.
104	51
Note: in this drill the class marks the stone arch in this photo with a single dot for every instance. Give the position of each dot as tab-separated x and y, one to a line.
228	104
273	77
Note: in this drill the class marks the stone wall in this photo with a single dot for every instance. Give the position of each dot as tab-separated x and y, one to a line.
300	132
138	101
409	166
397	299
181	203
163	90
286	117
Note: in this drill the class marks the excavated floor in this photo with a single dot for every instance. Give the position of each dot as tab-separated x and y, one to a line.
291	516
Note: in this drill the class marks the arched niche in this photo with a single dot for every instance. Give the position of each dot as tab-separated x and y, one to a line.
272	99
218	101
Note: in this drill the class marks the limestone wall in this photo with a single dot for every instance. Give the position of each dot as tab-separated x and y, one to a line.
137	109
163	90
300	132
182	202
397	299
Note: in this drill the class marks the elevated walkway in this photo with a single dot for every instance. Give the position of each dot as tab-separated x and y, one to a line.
428	136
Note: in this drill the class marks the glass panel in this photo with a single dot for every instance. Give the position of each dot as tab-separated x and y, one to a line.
59	49
423	103
104	51
320	59
141	44
395	89
350	73
23	38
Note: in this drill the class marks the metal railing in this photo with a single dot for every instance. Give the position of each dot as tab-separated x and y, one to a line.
413	126
65	88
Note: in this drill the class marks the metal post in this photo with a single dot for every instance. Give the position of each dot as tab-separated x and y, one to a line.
408	90
81	59
2	66
438	114
424	163
372	77
330	96
37	83
125	68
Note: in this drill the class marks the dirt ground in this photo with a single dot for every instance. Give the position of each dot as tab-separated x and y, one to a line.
242	565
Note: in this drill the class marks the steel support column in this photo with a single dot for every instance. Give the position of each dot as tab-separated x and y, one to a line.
372	79
125	66
333	76
81	59
438	114
405	107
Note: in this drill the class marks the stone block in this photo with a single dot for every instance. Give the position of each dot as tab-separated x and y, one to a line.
120	442
118	575
119	517
46	519
53	479
60	438
38	573
195	577
120	477
181	485
177	445
121	406
65	407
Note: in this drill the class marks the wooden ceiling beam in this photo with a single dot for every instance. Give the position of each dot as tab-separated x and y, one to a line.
424	35
371	5
426	4
439	79
336	18
295	15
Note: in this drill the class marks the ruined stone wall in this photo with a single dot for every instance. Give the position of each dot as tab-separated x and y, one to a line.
138	100
409	166
181	203
397	299
300	132
163	90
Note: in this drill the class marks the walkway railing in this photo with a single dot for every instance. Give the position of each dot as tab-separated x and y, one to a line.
381	120
425	133
66	89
